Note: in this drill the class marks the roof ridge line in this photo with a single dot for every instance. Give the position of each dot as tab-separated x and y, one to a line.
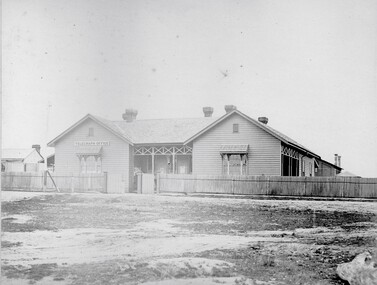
162	119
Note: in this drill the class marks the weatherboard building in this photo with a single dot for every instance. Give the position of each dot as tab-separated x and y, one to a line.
233	144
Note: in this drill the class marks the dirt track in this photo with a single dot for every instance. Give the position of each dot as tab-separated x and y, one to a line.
134	239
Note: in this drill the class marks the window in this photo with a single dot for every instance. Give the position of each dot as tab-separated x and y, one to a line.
99	165
91	132
82	165
289	165
289	162
234	164
90	164
235	128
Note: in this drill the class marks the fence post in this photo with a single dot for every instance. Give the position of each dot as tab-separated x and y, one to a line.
90	183
104	186
44	187
72	185
139	179
232	185
157	183
305	187
43	182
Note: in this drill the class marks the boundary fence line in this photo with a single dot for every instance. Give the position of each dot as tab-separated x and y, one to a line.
40	181
350	187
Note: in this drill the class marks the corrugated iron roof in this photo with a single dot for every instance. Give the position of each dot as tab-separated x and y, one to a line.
16	153
101	121
161	131
285	137
114	127
170	131
173	131
265	127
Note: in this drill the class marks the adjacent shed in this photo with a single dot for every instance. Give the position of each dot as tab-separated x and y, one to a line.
21	160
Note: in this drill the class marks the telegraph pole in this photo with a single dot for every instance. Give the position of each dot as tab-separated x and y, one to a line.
46	137
45	170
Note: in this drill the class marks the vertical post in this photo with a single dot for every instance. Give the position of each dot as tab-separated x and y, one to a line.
72	184
89	183
158	184
173	157
45	168
139	181
233	186
44	180
41	181
152	160
241	164
305	187
104	182
227	160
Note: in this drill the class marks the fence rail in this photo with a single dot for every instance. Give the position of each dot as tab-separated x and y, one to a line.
35	181
347	187
269	185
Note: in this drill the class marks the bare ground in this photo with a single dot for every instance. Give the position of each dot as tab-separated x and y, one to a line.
139	239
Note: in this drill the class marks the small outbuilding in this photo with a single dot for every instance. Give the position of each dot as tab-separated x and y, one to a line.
326	168
348	174
22	160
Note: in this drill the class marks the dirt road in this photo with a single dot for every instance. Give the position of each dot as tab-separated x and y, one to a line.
139	239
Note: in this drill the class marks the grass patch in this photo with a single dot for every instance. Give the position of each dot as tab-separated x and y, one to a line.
5	243
34	272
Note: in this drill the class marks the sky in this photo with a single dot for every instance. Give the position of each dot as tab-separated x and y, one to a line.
310	66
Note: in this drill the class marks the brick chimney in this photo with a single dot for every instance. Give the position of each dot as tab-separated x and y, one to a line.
263	120
37	147
130	115
336	159
229	108
339	160
208	111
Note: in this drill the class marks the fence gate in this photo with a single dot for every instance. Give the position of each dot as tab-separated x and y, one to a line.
147	183
116	183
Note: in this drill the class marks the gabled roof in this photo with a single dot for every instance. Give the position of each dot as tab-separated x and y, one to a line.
331	164
174	131
287	140
103	122
17	154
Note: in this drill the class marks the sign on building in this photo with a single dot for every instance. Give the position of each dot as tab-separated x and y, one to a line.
91	143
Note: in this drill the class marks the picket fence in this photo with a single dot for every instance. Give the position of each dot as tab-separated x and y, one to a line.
349	187
39	181
336	187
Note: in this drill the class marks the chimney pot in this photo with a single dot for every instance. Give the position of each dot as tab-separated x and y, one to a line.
37	147
229	108
130	115
208	111
263	120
